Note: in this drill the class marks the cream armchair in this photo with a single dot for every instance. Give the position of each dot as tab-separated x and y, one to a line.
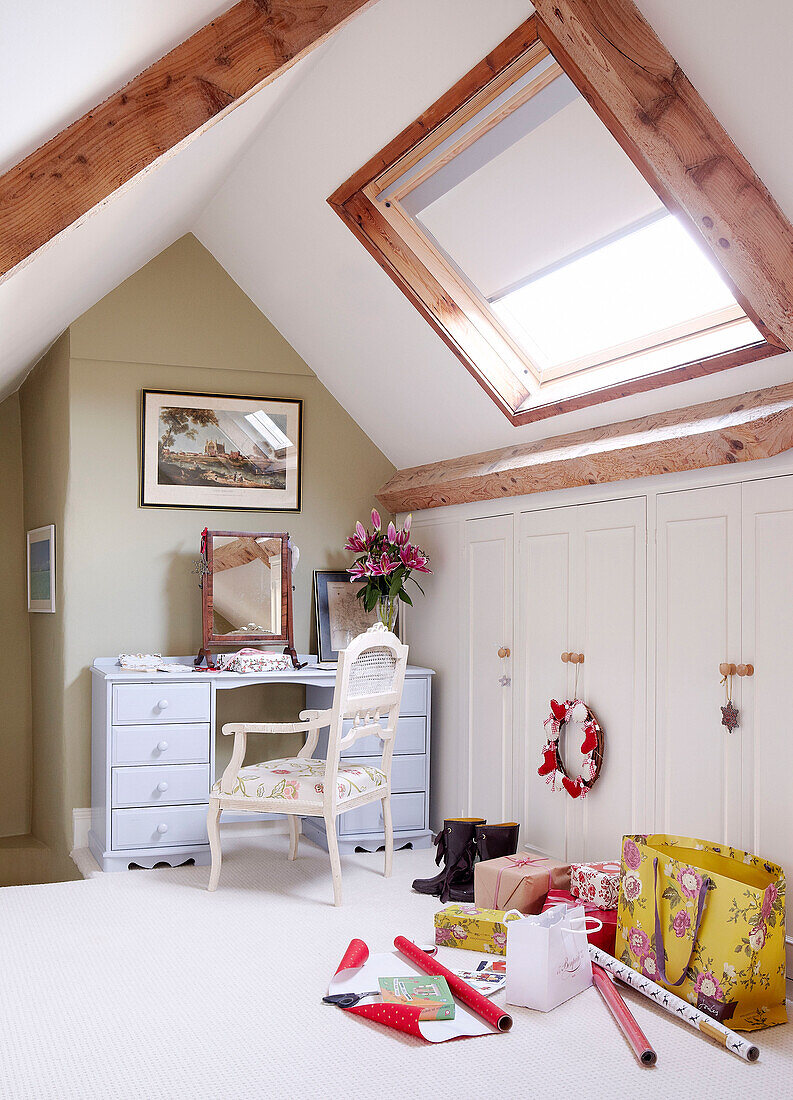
368	691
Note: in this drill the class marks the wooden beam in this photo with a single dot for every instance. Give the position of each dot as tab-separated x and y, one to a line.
734	429
651	107
176	98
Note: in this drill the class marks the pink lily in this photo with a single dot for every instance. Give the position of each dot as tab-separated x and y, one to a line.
357	542
408	521
357	571
391	533
376	521
412	558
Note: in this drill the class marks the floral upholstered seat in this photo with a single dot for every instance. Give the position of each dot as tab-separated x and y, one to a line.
301	780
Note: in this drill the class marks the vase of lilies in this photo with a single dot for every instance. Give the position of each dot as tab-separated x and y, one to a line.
387	559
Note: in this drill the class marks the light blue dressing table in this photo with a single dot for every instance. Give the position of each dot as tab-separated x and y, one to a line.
153	762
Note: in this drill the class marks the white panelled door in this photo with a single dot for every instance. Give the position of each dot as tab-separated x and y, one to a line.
768	645
489	576
610	628
583	587
545	563
698	761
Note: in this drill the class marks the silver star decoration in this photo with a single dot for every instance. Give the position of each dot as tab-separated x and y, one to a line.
729	716
505	681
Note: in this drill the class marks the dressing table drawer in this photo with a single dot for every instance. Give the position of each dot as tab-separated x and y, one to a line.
414	696
159	827
161	702
154	744
409	738
153	786
407	810
408	773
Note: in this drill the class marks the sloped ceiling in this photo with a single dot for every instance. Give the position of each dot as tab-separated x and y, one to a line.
80	57
271	229
253	188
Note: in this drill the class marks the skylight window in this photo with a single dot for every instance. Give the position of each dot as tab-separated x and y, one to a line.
650	286
523	231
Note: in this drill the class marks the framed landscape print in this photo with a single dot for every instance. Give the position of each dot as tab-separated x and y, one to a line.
340	615
209	450
41	569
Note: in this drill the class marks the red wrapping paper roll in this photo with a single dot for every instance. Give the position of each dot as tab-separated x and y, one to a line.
489	1012
623	1015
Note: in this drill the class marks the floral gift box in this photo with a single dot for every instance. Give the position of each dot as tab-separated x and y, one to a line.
597	883
472	928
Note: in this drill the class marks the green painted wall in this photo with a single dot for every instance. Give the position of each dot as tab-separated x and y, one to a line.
127	583
15	729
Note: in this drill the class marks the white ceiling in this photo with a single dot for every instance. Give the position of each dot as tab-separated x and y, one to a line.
61	59
78	267
269	224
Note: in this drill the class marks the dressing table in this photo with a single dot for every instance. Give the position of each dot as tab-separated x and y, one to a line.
153	761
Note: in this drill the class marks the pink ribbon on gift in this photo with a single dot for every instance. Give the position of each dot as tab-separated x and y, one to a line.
518	861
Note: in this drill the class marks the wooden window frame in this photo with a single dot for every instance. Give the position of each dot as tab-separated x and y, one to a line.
646	102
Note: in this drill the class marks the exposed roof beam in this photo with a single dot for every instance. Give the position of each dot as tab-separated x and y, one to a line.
733	429
175	99
646	100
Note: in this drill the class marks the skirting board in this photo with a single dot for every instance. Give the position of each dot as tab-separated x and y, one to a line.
81	820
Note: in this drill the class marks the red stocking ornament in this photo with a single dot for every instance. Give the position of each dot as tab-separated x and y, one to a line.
549	763
572	787
590	739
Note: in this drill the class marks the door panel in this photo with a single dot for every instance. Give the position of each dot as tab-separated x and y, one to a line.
699	583
610	630
768	645
489	566
544	584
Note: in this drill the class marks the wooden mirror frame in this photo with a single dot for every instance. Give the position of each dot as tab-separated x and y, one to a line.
645	100
212	641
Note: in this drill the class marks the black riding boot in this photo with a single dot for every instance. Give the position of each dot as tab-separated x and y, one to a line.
456	846
491	841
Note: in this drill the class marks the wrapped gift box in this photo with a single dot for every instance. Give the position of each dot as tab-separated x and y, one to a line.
597	883
606	937
473	928
518	882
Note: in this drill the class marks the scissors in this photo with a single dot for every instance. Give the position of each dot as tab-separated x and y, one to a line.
348	1000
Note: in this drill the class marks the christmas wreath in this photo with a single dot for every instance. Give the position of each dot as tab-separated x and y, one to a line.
553	767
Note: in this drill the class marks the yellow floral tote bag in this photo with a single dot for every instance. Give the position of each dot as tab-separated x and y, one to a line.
707	922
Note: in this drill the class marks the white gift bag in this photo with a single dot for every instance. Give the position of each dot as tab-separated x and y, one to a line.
548	958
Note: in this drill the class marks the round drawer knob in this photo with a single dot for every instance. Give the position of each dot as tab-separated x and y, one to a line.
163	704
162	786
162	828
162	745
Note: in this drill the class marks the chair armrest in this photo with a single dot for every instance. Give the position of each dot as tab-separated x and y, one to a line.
313	722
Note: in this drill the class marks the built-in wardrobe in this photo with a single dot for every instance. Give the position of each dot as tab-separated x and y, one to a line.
656	583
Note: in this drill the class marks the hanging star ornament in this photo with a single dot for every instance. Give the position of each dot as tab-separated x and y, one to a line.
729	716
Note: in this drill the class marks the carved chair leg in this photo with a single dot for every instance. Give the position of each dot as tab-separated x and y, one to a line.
213	829
335	862
388	825
294	835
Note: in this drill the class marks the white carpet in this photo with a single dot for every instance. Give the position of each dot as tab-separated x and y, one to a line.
142	985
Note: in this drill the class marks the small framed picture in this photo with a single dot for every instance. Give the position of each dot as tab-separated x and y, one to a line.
209	450
41	569
340	615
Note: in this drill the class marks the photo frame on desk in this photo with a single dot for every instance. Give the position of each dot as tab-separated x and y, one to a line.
340	615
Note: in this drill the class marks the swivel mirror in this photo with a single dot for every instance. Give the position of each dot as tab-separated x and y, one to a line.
246	590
